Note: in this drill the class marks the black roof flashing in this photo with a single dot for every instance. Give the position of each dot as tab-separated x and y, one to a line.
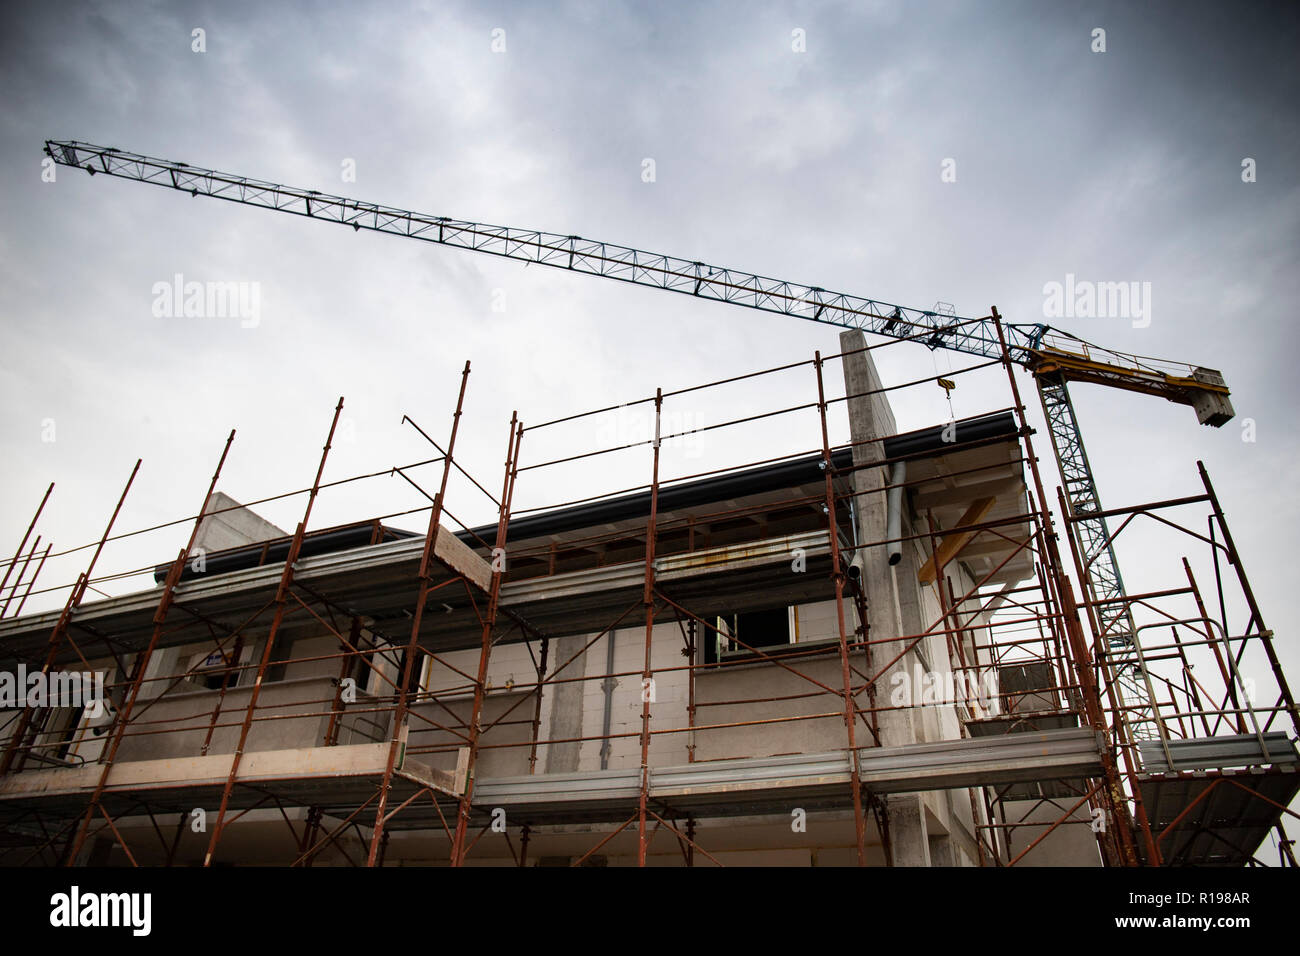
922	443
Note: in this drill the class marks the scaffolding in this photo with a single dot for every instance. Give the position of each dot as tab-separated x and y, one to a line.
401	730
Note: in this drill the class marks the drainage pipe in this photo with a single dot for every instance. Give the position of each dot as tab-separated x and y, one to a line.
894	504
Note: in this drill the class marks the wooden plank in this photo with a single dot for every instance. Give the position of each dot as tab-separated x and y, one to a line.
930	497
266	765
461	558
952	544
425	776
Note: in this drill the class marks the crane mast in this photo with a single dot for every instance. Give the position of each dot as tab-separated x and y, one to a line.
1053	357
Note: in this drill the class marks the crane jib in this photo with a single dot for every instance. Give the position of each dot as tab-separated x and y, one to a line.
1026	344
975	336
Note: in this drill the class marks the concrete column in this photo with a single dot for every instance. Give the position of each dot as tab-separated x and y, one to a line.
566	705
909	594
941	851
908	838
871	419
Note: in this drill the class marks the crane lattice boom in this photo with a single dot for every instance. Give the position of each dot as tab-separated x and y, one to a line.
1030	345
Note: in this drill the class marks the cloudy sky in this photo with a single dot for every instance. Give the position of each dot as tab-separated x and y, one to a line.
823	165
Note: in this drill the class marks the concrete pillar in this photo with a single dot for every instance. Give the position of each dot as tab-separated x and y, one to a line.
908	838
909	594
941	850
871	419
566	705
100	852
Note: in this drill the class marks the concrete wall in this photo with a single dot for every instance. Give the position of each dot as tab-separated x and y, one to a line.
186	714
583	710
231	528
769	680
504	748
1071	844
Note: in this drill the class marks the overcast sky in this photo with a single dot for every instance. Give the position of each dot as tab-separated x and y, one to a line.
822	165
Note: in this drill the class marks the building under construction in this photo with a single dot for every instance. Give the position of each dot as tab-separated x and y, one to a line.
885	651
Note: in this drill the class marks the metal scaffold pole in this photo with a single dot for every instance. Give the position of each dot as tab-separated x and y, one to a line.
1071	622
142	660
1105	585
281	601
647	673
427	557
458	847
1256	616
837	575
15	754
22	544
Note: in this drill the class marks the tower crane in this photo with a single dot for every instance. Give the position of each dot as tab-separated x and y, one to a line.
1054	358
